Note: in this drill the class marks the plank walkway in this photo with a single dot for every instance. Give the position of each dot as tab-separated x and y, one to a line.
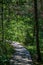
21	56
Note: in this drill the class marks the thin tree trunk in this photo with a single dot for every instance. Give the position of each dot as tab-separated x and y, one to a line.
37	31
41	2
2	23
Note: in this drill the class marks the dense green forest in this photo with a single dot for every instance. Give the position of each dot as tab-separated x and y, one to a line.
18	23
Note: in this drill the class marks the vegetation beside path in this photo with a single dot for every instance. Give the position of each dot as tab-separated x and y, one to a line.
6	52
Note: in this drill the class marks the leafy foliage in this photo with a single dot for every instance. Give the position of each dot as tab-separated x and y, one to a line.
6	51
18	24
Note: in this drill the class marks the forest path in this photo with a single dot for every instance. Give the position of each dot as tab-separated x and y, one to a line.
21	56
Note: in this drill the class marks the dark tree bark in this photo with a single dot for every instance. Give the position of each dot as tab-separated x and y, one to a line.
37	31
2	22
41	2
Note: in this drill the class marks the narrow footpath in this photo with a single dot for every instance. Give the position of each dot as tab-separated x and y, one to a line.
21	56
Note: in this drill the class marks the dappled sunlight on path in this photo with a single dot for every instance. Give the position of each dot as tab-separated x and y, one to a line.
21	56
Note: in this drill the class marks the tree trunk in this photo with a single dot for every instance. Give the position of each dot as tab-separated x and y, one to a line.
2	23
37	31
41	2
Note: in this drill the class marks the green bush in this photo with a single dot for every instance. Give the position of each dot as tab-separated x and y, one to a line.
6	51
